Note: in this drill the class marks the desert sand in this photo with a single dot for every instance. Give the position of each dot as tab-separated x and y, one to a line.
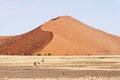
60	68
64	36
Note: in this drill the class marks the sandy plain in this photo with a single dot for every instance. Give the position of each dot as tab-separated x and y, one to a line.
60	68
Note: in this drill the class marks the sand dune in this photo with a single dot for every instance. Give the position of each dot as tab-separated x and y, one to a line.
63	35
27	43
4	39
72	37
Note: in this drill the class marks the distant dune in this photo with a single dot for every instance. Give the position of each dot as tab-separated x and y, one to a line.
63	35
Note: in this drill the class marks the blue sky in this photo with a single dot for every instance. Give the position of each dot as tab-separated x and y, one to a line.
20	16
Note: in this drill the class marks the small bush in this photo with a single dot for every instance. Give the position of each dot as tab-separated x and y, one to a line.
12	53
39	54
49	54
25	53
66	54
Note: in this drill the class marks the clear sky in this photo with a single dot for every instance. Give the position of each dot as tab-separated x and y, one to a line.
20	16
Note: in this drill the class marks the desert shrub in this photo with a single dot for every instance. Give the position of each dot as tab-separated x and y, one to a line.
25	53
38	54
88	54
49	54
66	54
12	53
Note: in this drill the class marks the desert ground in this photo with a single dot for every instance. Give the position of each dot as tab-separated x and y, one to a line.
60	68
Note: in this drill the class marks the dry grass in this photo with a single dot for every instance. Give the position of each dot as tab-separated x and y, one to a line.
83	78
69	62
65	63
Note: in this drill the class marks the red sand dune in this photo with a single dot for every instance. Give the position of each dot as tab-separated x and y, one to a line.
61	36
4	38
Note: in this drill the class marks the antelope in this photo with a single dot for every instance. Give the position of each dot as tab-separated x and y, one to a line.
36	63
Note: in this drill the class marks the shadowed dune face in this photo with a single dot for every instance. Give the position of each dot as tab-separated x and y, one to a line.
4	39
63	35
26	44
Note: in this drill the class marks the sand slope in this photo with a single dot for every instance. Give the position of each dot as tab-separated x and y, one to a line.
72	37
63	35
27	43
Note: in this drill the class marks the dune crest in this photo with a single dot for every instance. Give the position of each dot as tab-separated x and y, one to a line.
63	35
